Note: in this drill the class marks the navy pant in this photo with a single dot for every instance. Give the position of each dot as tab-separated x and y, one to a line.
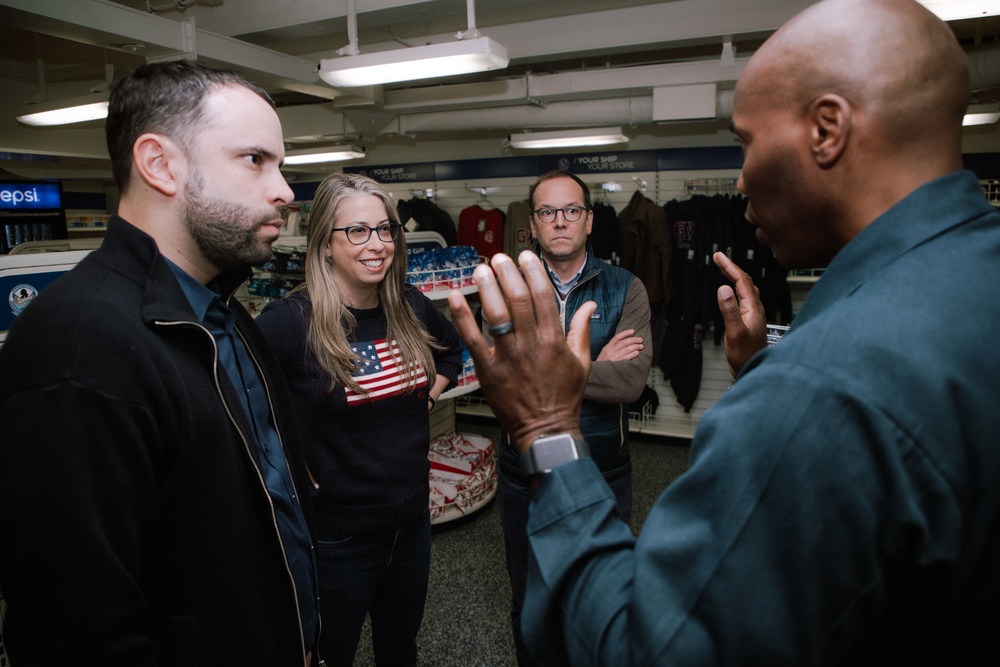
514	501
382	575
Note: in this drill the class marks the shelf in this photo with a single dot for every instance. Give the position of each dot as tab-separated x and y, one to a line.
460	390
807	276
638	423
473	406
442	294
673	427
449	271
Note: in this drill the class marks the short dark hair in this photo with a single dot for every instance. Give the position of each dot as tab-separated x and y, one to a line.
163	97
559	173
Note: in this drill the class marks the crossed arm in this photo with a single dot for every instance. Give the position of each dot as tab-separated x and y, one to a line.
621	370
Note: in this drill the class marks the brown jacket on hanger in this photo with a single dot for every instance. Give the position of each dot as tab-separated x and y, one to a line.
647	246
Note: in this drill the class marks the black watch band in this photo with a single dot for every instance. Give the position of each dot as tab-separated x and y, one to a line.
551	451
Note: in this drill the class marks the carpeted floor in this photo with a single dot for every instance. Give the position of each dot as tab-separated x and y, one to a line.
466	622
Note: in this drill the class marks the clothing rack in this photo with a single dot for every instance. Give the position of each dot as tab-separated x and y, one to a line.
423	193
601	190
609	186
713	186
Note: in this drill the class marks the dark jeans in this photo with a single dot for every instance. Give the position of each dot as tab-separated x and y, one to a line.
382	575
514	501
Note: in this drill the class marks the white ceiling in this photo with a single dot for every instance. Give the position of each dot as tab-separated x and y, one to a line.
573	63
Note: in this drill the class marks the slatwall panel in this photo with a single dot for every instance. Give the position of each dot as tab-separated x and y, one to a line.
670	419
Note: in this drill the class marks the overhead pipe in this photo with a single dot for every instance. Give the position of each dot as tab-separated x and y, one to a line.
472	32
620	111
352	32
178	5
984	66
625	111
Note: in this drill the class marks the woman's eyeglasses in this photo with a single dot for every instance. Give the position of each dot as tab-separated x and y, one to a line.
359	234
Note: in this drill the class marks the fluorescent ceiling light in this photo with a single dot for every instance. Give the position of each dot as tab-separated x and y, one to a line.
323	154
418	62
954	10
599	136
64	112
982	114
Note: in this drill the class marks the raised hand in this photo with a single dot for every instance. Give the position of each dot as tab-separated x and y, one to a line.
743	312
533	376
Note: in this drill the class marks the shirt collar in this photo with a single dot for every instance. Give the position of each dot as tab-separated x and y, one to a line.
199	296
928	211
562	287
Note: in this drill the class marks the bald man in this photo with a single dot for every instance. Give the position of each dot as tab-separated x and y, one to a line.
842	504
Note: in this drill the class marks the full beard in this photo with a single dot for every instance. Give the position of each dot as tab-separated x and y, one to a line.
226	232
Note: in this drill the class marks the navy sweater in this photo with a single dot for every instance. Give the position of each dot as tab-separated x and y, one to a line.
368	454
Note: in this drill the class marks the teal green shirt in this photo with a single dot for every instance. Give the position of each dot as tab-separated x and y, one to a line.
842	505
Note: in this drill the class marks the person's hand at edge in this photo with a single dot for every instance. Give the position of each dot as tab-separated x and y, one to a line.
534	376
743	312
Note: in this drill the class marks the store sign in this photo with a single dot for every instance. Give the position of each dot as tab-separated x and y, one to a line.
406	173
603	163
24	196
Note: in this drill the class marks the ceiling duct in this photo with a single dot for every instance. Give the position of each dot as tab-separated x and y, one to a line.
984	66
624	111
619	111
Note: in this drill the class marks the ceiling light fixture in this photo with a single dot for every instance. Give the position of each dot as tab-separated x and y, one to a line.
984	113
955	10
64	112
599	136
324	154
470	53
418	62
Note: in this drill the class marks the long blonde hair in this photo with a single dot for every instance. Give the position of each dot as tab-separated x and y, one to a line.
332	324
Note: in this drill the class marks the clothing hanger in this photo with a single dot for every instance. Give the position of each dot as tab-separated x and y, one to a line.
483	202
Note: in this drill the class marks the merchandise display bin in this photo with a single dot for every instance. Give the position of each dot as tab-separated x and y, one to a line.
443	269
463	476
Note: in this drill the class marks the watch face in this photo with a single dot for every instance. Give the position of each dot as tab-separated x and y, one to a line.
551	452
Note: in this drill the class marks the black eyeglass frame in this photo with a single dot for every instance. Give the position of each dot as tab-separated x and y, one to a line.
393	228
557	211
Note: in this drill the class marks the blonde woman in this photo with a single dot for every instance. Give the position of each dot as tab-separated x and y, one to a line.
365	355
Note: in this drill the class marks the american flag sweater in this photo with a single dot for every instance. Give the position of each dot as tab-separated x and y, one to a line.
367	451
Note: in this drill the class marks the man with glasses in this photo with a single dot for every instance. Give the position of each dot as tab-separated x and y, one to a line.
561	222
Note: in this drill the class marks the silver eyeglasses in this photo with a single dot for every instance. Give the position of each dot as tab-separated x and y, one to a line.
359	234
570	213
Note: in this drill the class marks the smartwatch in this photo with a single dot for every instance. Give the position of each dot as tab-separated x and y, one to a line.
551	451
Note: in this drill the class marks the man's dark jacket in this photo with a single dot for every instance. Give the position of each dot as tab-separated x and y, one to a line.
136	525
